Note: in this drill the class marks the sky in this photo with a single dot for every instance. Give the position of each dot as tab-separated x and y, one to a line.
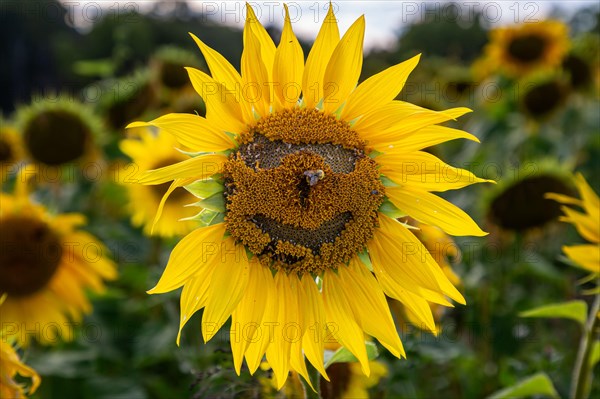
383	18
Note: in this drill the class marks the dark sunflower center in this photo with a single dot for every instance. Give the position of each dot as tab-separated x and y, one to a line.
523	206
578	70
544	98
527	48
57	137
160	190
340	377
300	191
30	255
173	76
5	151
130	104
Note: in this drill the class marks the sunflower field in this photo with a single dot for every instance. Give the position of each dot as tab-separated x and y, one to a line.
269	200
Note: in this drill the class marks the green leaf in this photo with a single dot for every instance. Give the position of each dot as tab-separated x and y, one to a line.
389	209
215	202
537	384
205	188
574	310
343	355
594	354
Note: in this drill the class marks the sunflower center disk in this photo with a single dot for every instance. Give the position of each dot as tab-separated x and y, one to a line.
30	254
527	48
300	191
56	137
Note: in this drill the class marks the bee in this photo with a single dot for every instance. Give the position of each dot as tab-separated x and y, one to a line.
313	176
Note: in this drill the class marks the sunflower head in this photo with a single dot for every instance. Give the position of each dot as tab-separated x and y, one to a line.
153	150
518	204
301	174
586	256
521	49
59	133
46	265
125	99
542	95
168	67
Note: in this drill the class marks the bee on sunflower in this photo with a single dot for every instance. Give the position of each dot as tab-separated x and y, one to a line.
521	49
46	264
301	174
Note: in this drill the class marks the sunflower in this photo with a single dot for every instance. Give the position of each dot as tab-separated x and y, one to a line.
521	49
153	151
46	264
58	133
586	256
305	192
10	366
518	203
543	94
11	150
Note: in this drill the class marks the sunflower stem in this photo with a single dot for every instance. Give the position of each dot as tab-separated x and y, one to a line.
581	372
315	377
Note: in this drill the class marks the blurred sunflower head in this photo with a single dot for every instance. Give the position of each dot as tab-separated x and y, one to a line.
303	174
11	150
59	133
521	49
11	366
152	151
518	203
125	99
586	256
46	265
168	68
582	64
542	95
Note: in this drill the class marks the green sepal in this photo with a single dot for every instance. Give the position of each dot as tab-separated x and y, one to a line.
215	202
389	209
365	259
387	182
207	217
343	355
205	188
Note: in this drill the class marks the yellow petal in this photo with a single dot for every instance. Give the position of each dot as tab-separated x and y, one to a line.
198	168
248	314
194	294
378	90
318	58
342	324
192	131
266	45
414	254
369	306
195	251
223	108
423	171
220	69
227	287
257	85
343	69
591	202
288	66
176	184
433	210
585	225
278	352
313	341
423	138
266	335
586	256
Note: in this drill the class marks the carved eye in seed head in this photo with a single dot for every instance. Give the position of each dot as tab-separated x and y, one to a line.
313	176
